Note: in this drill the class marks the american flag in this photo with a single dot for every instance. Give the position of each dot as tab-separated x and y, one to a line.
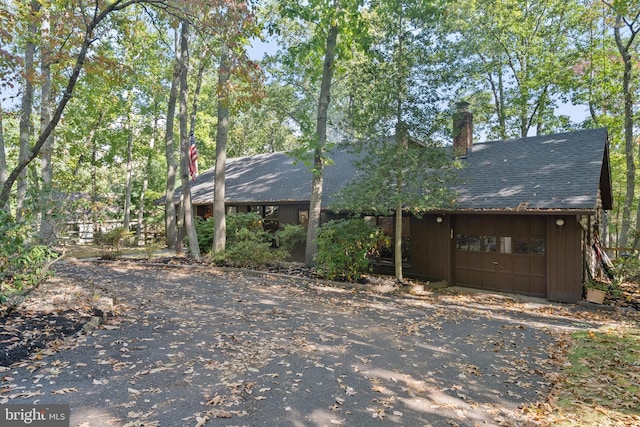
193	158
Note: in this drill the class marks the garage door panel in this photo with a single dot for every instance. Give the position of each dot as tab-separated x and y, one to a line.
489	258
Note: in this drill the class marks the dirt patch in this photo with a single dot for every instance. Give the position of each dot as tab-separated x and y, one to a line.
25	334
46	320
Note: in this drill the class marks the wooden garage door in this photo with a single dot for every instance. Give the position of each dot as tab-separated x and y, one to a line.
503	253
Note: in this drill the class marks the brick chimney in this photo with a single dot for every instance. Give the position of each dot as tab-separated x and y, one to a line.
462	130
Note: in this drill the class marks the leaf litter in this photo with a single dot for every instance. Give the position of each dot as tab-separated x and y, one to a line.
266	344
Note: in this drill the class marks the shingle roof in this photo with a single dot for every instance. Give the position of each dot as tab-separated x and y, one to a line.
560	171
275	177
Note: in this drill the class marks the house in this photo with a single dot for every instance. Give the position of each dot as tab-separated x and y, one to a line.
524	219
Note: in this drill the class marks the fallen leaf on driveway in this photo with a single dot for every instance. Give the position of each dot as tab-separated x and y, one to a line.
65	390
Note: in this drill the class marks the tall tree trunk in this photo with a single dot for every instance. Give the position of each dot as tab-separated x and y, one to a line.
196	97
186	208
47	231
3	160
402	144
629	148
315	204
90	142
169	203
219	214
129	180
26	106
145	184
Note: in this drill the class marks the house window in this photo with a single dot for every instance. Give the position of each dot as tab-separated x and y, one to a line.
537	246
505	245
474	243
271	221
303	218
488	244
462	242
521	246
271	212
502	244
232	210
387	224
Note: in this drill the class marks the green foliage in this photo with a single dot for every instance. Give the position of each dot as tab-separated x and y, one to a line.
111	242
238	224
596	357
627	268
291	235
204	230
250	249
598	285
23	264
248	243
345	246
423	172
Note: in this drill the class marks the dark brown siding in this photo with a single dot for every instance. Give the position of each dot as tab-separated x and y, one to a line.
430	247
564	259
289	213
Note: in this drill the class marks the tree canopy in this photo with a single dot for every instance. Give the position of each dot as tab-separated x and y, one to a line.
94	80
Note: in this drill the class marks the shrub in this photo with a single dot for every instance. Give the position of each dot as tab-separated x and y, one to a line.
204	230
344	248
111	242
627	268
248	244
239	223
291	235
23	264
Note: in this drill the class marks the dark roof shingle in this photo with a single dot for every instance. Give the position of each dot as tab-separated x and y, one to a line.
560	171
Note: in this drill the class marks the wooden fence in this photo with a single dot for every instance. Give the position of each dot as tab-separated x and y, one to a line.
84	233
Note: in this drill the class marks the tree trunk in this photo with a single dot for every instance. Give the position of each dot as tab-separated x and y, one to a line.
145	184
629	149
3	160
219	213
187	208
47	231
196	97
169	204
402	143
25	108
397	242
129	180
315	204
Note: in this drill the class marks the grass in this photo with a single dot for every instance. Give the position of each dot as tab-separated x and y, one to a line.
602	379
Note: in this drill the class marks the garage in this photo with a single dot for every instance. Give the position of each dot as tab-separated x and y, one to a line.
505	253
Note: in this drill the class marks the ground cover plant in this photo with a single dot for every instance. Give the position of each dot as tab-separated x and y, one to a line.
599	383
23	262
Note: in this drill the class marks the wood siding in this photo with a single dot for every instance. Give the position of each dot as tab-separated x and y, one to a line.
505	253
430	248
564	259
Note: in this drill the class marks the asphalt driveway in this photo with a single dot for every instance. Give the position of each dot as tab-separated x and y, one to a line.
195	347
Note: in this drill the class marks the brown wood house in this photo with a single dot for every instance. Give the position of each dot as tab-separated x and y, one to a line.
523	222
